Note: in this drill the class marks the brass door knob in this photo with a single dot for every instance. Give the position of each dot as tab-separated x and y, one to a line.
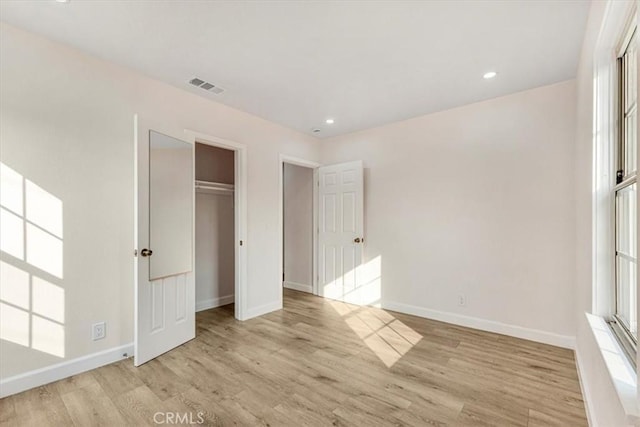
146	252
357	240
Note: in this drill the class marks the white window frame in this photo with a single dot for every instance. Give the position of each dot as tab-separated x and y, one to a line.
624	179
617	17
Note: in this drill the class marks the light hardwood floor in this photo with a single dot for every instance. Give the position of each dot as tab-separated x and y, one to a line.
319	362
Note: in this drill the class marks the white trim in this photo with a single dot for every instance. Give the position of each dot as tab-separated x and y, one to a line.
135	231
622	373
585	389
298	286
298	161
240	209
263	309
316	228
615	22
484	324
59	371
282	159
214	302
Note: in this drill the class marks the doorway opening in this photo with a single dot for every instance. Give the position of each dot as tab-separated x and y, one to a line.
221	198
298	222
214	226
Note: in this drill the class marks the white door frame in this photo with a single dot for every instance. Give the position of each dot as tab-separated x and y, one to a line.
239	212
314	268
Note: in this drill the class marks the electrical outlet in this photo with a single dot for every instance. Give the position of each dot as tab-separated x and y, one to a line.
462	300
98	331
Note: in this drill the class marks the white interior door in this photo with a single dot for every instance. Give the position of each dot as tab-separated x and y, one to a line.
340	234
165	285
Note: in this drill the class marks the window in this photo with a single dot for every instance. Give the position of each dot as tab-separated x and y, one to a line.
626	322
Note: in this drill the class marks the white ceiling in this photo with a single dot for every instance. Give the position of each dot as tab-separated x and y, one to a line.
364	63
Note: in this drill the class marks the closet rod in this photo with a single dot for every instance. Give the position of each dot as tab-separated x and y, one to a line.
214	187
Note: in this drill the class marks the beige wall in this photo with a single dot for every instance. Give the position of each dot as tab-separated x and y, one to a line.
67	125
298	226
477	201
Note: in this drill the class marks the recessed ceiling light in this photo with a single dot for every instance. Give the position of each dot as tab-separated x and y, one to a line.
62	1
489	75
329	121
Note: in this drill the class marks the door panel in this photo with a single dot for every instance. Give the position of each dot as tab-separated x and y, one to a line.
165	287
181	297
330	287
157	305
349	264
341	194
349	212
329	213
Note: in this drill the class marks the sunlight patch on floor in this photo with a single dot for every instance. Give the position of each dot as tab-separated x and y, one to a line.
386	336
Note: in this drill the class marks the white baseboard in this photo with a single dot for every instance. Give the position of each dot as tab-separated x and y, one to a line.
484	325
39	377
262	309
584	388
214	302
298	287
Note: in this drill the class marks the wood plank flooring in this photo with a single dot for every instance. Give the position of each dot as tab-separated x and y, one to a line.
320	362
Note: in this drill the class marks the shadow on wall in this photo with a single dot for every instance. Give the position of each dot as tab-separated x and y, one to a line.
386	336
32	300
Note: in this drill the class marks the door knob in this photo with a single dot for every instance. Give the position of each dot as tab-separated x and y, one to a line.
146	252
358	240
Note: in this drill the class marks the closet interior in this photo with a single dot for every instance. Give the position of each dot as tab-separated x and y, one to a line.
215	228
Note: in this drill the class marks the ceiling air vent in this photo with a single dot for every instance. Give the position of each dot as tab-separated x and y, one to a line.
196	82
206	85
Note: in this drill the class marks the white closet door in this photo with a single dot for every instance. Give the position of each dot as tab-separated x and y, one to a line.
340	235
165	288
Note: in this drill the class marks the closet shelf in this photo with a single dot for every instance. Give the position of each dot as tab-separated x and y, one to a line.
214	187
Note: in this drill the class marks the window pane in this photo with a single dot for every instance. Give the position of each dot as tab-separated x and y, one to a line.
626	254
630	130
630	63
626	221
628	143
627	294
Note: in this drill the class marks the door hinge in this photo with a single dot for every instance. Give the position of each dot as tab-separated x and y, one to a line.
619	176
240	242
